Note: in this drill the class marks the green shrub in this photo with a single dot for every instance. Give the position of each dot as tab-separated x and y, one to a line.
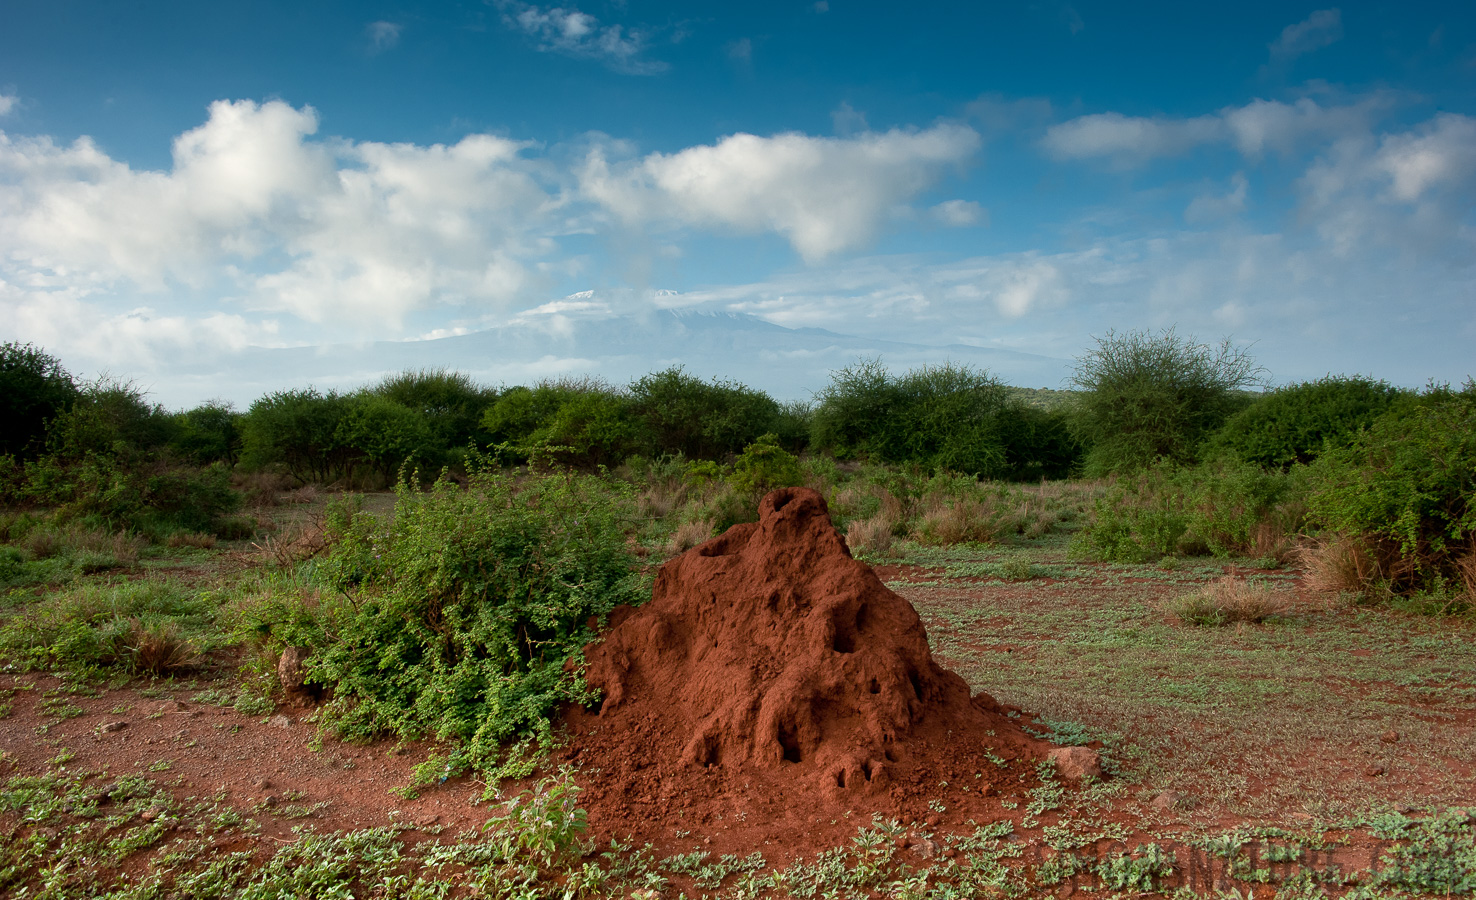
299	431
1146	398
207	434
946	417
467	606
1403	490
450	402
1292	424
764	466
382	435
1223	507
34	389
681	413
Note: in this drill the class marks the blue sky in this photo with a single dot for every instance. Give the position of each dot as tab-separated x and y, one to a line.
182	181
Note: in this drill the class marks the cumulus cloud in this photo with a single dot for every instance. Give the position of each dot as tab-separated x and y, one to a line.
1412	189
355	235
1323	27
8	102
382	35
580	35
823	195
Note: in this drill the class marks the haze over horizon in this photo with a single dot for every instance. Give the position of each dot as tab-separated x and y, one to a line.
204	198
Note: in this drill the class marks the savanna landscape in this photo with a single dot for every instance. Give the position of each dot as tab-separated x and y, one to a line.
1168	632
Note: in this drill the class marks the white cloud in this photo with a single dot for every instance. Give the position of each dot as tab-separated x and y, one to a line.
8	102
1212	206
848	121
1442	154
354	236
823	195
382	35
1129	140
958	213
1253	129
1323	27
580	35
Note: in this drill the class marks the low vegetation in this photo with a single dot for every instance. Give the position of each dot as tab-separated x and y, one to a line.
140	547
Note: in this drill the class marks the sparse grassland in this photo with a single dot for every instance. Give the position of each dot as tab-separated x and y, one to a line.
1260	738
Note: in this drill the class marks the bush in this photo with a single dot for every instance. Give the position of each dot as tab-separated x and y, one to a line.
208	434
1402	490
34	389
948	417
681	413
1222	507
765	466
582	423
449	402
1147	398
467	606
382	435
1293	424
297	430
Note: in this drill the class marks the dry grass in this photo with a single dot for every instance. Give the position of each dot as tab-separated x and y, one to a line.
191	539
957	521
1340	563
871	536
689	535
297	542
159	649
1228	601
1268	540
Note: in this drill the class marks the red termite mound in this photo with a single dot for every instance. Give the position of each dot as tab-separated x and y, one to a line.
773	671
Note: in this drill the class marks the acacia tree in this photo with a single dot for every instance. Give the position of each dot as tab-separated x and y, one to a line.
1148	397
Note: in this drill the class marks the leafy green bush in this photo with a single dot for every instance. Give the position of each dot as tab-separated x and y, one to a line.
209	433
467	606
583	423
1222	507
299	431
764	466
1146	398
34	389
945	417
450	402
681	413
1292	424
1403	489
383	435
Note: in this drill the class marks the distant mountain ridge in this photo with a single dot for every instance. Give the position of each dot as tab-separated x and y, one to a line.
565	338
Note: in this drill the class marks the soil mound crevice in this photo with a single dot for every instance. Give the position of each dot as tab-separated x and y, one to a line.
774	670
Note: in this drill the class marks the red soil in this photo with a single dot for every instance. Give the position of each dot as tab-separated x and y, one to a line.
772	688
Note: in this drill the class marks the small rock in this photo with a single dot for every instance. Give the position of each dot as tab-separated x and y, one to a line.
1374	771
927	848
1076	763
279	721
151	814
903	842
269	801
263	784
291	671
1168	800
932	820
170	706
110	727
1390	737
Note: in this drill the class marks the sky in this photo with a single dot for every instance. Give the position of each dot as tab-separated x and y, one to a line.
183	182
